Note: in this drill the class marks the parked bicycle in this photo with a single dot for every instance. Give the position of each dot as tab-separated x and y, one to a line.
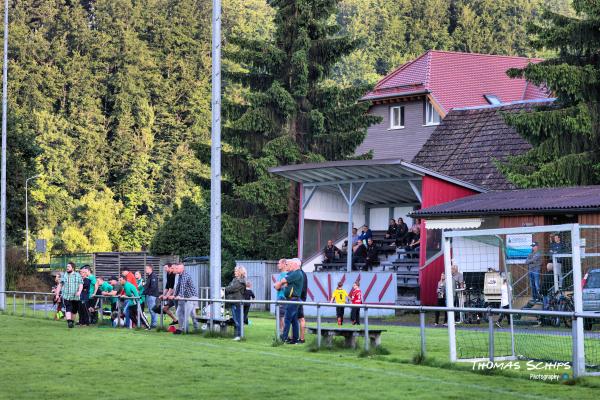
560	301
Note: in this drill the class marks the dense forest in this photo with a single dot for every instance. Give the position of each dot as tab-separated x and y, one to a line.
110	101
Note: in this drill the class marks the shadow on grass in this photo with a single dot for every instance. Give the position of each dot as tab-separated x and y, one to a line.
339	346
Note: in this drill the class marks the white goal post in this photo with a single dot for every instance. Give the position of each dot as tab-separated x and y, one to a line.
485	236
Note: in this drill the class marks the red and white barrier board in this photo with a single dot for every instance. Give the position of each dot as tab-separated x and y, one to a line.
377	288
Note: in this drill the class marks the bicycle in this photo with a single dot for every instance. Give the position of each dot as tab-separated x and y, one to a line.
474	300
561	302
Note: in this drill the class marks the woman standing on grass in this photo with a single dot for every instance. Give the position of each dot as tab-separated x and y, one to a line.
441	299
236	291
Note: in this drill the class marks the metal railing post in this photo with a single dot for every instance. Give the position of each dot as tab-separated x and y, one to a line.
34	305
118	320
422	325
367	339
24	303
46	304
491	336
241	319
139	313
212	316
14	303
277	321
101	314
575	355
318	326
162	315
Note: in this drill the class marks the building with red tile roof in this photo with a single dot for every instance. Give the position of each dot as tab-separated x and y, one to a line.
413	99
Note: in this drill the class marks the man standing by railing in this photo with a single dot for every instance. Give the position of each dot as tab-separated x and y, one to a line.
151	292
185	290
71	285
534	267
292	283
168	292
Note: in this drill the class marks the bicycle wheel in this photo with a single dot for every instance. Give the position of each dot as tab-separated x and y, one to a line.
553	321
566	306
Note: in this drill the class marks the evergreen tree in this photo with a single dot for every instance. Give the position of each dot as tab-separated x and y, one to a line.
565	136
288	114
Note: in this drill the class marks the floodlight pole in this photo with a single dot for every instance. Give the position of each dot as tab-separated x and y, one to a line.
215	163
3	166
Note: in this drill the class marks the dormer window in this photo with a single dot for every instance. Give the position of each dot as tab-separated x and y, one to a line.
432	117
397	117
492	99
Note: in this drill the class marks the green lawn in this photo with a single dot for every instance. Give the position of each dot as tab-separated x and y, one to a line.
42	359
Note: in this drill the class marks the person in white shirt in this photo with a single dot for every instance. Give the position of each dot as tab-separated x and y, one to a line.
504	300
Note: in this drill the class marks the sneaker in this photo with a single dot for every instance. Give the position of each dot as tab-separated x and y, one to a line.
301	341
70	324
435	324
174	323
444	324
291	342
237	338
178	332
498	324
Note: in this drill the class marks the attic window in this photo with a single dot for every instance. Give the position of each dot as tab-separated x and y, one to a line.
492	99
432	117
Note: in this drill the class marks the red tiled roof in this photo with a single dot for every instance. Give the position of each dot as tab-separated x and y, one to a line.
458	80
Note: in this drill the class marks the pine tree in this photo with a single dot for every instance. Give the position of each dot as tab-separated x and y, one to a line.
565	136
288	114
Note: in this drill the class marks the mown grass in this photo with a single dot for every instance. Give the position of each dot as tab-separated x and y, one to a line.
43	359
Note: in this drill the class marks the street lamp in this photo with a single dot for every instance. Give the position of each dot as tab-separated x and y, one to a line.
27	215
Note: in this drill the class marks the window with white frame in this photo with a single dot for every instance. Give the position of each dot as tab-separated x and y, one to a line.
397	117
432	117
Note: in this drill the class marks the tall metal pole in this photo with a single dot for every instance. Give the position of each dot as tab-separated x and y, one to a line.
215	163
3	167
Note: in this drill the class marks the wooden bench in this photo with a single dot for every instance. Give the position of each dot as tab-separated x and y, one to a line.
349	335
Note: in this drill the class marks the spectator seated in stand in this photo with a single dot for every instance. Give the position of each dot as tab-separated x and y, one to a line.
365	234
372	257
331	252
392	228
344	251
414	241
359	253
401	233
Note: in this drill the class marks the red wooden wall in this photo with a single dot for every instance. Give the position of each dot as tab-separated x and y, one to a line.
435	191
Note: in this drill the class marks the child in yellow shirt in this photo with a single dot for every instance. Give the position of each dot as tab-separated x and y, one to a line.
339	296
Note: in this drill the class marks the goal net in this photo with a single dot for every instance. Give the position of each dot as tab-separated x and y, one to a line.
531	270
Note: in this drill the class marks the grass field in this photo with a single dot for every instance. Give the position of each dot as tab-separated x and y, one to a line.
42	359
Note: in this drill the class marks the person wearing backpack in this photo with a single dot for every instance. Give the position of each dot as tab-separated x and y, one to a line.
236	291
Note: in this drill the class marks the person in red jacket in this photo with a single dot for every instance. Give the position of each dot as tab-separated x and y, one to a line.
356	298
129	277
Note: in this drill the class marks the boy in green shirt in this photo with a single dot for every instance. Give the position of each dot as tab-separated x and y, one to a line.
131	305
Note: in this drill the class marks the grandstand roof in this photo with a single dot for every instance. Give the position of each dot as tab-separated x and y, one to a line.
387	181
579	199
457	79
469	141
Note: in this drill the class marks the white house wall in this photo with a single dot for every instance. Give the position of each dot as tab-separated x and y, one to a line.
378	218
327	206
